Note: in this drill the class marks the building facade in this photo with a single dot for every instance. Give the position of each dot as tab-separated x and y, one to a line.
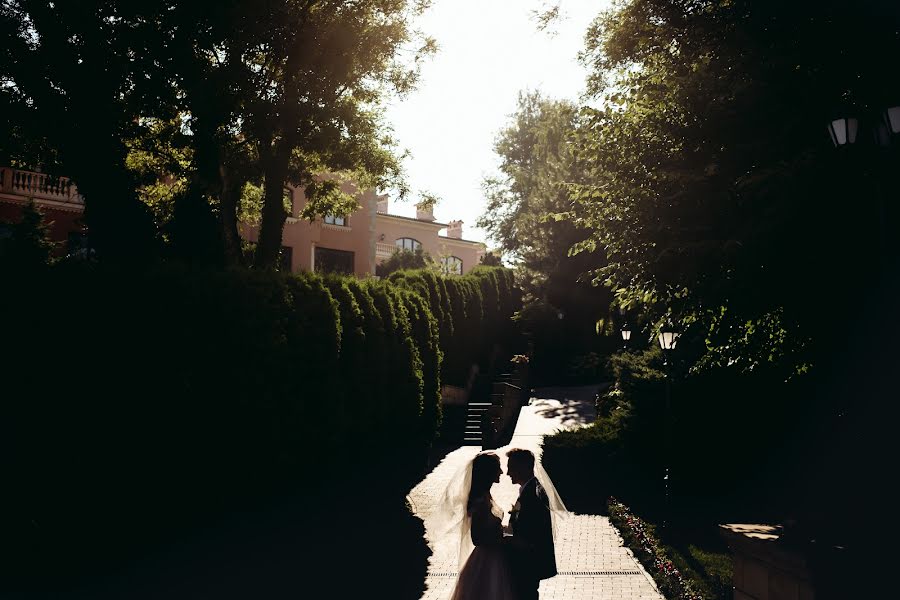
58	199
359	242
353	244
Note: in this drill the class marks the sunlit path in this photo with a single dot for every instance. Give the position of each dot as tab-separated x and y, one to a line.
591	559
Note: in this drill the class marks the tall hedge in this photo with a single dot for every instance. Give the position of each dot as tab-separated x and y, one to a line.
473	313
425	332
150	399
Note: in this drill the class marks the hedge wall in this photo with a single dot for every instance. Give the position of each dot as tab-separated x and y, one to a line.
148	402
473	313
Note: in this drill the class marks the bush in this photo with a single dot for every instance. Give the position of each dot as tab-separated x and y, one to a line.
674	581
427	340
403	260
177	395
473	313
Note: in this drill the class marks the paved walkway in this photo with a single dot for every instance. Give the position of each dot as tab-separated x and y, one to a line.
590	557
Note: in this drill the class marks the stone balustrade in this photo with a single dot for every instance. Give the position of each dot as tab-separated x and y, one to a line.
39	186
384	250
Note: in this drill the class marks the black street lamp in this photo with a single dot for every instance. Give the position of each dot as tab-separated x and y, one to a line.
843	131
668	338
883	127
626	335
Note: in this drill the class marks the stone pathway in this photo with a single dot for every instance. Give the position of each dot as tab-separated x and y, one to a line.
590	557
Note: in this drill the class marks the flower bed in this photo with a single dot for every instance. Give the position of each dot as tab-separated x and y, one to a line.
639	536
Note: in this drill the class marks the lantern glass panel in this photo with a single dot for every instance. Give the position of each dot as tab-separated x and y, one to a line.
852	130
838	131
843	131
892	119
626	334
667	340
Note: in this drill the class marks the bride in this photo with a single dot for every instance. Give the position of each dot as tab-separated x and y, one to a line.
485	572
468	515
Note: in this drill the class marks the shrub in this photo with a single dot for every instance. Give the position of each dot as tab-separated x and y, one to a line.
402	402
425	333
177	394
468	330
659	560
402	260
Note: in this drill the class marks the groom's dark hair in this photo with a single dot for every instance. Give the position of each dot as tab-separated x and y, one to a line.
522	457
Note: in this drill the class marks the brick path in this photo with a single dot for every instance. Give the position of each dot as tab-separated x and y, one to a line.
589	553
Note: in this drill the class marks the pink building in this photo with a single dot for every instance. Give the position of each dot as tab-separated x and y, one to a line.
352	244
360	241
57	198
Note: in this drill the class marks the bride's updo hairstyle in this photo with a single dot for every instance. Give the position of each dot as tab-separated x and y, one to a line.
484	471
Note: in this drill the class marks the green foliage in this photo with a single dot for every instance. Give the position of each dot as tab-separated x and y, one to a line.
706	171
197	390
427	200
635	438
467	331
27	247
140	103
404	260
489	259
668	569
425	333
402	404
530	214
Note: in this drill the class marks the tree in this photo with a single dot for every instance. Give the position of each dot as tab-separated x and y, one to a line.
318	75
709	175
27	247
404	259
77	76
530	215
170	103
490	259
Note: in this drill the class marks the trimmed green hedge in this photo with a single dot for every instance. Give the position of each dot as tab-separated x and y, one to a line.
473	313
152	401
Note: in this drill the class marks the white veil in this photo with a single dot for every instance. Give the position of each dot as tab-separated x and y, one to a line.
558	510
450	519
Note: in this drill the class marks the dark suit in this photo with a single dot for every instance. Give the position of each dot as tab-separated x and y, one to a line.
532	555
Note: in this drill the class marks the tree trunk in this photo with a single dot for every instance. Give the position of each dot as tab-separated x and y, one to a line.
273	213
228	207
120	227
276	159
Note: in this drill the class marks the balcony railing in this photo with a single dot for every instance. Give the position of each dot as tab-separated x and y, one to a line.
383	250
39	186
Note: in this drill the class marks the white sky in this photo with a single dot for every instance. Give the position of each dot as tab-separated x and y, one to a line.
489	51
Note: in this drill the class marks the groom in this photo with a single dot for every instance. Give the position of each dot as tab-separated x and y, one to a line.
530	548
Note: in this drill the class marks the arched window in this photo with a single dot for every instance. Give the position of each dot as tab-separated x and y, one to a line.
451	265
408	244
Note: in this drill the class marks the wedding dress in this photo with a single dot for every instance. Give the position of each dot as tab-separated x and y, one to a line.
486	574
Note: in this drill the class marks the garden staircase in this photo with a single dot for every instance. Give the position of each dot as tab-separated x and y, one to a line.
486	402
475	413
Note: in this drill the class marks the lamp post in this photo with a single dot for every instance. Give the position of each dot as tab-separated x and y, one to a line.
626	335
668	338
884	127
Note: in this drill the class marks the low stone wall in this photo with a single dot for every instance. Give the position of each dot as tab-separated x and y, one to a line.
452	395
766	567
